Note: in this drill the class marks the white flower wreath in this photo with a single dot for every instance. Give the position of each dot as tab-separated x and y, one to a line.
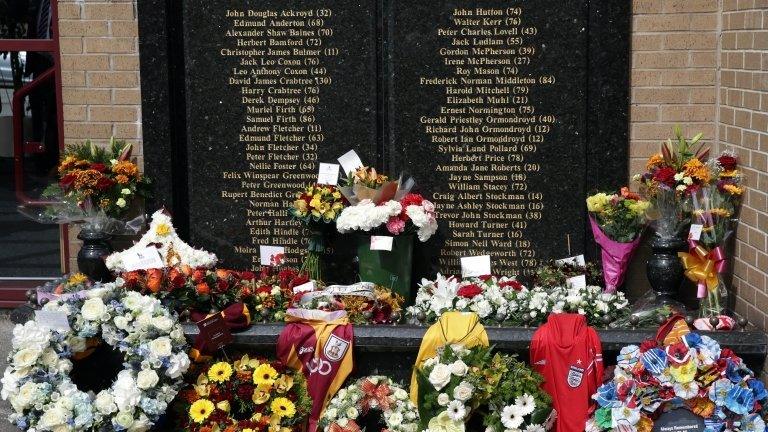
37	381
373	392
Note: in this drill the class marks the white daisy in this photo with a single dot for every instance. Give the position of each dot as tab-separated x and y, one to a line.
511	417
526	403
456	411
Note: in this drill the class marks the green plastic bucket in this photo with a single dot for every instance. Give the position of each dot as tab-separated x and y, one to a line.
391	269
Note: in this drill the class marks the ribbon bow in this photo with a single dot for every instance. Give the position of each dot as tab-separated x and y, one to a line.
379	393
351	427
702	266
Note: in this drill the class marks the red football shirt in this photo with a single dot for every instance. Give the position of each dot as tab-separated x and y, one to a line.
568	354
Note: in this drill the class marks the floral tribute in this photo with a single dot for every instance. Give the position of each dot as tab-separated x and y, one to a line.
688	371
106	178
37	382
372	304
368	394
554	274
317	207
459	382
174	252
65	286
506	301
249	395
715	208
617	221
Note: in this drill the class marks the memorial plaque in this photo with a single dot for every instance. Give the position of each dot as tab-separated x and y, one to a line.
488	103
505	112
679	420
272	89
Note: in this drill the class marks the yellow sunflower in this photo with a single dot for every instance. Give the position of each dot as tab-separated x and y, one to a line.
264	375
201	410
283	407
220	372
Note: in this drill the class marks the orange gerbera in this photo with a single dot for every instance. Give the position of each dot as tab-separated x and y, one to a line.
126	168
696	169
654	161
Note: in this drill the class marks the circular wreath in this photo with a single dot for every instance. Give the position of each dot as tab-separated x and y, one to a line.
37	381
688	371
366	394
247	395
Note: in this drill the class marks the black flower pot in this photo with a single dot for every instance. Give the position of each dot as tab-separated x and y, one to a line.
90	260
664	269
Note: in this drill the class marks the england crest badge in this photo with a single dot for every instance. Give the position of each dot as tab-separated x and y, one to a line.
575	375
335	348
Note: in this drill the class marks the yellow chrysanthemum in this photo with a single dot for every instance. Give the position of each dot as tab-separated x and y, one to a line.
78	278
696	169
733	189
639	207
162	229
597	202
201	410
220	372
283	407
264	375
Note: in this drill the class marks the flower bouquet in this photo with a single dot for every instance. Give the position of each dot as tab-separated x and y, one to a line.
715	208
247	395
555	274
98	189
617	222
385	208
316	208
684	372
459	382
364	302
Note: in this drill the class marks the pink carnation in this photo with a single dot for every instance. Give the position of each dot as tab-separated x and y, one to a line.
395	225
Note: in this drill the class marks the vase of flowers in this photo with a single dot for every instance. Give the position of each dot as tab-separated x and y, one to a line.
100	189
317	207
670	178
385	208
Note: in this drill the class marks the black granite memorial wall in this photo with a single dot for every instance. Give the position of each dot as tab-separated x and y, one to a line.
505	112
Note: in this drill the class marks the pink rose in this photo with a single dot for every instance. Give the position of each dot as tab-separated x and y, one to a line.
395	225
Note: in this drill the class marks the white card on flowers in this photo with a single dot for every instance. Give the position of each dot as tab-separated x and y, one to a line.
328	174
55	320
695	232
381	243
350	161
574	260
142	259
305	287
577	282
271	255
476	266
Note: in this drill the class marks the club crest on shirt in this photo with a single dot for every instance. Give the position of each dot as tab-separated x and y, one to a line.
575	375
335	348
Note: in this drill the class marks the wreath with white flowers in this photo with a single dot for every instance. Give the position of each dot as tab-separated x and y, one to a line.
372	392
37	381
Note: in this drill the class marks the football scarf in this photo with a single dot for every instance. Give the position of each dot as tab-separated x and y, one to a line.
320	345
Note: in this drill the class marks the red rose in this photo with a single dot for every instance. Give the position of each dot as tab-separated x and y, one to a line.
727	162
203	289
248	275
222	285
299	280
265	289
177	278
198	275
515	285
666	176
104	183
469	291
67	181
100	167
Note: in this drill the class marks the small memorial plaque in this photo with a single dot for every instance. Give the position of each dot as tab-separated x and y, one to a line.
215	333
679	420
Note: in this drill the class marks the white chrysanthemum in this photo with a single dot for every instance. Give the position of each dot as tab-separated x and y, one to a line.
366	216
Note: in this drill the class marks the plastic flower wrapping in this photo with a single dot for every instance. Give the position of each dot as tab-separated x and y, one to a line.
506	301
174	252
670	178
97	187
459	383
364	302
617	222
246	395
687	370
